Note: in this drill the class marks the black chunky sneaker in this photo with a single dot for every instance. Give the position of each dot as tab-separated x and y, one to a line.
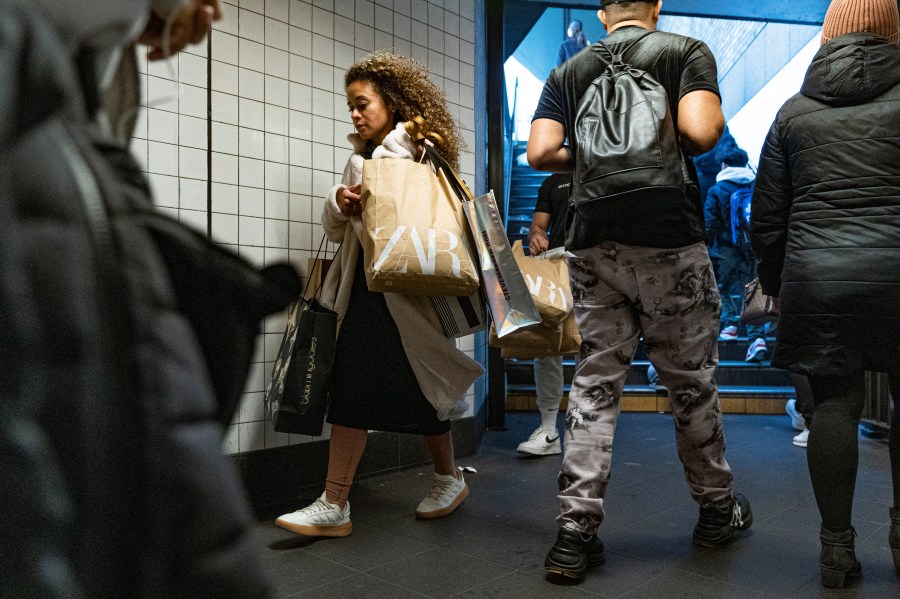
717	526
573	553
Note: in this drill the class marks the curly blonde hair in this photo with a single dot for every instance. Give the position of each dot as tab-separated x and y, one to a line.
404	83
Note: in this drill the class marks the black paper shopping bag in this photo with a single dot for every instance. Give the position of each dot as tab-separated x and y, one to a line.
297	395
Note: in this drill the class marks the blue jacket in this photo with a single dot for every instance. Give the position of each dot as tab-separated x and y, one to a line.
717	208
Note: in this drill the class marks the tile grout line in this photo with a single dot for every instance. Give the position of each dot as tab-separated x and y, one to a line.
209	157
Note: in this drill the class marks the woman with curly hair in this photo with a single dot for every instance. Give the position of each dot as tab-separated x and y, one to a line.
395	369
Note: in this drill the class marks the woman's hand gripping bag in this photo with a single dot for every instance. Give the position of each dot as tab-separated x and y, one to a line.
547	278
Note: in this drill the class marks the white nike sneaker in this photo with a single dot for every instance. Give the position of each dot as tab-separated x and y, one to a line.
541	442
447	493
319	519
797	420
802	439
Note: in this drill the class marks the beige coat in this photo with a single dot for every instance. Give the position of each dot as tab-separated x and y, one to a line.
443	372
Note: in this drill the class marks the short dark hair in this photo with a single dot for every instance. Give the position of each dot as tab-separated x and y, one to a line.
733	156
628	11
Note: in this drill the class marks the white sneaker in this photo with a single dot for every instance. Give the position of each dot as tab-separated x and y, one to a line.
797	419
447	493
757	351
653	378
728	334
801	439
319	519
541	442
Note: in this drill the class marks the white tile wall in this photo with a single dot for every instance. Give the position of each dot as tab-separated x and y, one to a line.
278	124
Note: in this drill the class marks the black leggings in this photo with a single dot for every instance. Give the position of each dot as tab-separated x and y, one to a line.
833	451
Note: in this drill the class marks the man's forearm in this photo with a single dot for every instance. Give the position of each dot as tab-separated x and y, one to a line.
537	230
547	150
558	161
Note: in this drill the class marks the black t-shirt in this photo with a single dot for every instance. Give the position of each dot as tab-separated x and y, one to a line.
553	198
681	65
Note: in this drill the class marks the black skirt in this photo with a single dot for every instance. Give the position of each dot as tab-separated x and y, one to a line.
373	385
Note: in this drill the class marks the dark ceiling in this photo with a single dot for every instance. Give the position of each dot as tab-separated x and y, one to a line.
806	12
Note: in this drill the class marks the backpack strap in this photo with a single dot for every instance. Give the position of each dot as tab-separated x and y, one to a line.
620	57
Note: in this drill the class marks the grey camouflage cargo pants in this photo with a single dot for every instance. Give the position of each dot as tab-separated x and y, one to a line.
669	296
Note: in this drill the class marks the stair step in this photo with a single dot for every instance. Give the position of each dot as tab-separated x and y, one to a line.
518	217
525	213
731	373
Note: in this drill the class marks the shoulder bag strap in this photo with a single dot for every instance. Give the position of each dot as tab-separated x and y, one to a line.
620	57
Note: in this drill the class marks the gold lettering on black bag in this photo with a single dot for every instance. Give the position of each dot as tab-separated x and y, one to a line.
310	367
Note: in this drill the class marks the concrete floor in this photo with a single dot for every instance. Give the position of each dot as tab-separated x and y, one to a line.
494	544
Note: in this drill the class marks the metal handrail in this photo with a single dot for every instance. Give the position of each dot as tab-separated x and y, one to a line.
509	140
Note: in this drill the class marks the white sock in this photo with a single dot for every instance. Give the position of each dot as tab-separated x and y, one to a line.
548	418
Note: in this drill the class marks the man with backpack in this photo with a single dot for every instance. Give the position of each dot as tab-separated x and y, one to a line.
727	212
633	108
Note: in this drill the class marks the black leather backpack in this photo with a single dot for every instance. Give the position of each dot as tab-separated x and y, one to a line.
627	149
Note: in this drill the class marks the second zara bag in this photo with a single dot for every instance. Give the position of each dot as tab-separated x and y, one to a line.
416	239
543	340
547	278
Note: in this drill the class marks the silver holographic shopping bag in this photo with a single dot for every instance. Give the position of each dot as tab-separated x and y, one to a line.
504	287
511	304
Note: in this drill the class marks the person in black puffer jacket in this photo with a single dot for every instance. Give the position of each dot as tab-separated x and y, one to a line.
126	340
826	228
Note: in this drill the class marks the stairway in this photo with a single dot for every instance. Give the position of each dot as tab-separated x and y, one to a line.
753	388
523	189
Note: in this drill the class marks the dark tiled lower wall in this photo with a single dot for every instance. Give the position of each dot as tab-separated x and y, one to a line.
276	479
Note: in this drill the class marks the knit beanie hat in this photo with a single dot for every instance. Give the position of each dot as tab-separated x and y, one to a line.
878	17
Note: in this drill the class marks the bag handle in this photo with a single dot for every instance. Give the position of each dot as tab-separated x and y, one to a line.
309	278
418	132
456	183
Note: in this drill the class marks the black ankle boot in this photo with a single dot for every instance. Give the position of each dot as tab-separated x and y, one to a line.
838	558
894	537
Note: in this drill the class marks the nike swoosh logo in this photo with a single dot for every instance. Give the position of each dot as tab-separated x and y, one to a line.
549	440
